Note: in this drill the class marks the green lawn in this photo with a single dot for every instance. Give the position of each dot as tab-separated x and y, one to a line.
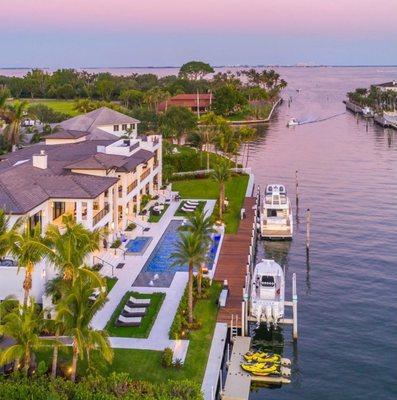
157	217
63	106
146	364
110	282
209	189
143	330
180	213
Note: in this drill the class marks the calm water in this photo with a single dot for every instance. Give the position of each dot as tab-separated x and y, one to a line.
348	292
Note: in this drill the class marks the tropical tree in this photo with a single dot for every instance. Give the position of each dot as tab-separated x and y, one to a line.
195	70
28	248
7	232
211	125
246	134
24	325
177	121
228	99
221	174
190	251
16	113
70	246
75	311
200	224
155	96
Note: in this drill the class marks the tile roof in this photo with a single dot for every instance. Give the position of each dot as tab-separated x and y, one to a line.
91	121
23	187
388	84
67	134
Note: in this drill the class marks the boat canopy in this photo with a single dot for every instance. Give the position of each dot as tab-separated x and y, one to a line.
276	195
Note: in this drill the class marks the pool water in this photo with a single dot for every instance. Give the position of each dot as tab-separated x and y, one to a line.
160	261
138	245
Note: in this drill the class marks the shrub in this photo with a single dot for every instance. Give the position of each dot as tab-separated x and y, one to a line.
166	358
116	244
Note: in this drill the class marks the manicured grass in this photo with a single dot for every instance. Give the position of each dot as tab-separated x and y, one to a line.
157	217
146	364
191	159
143	330
180	213
209	189
110	282
63	106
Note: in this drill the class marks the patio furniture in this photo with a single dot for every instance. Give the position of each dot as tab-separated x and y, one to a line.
133	302
133	312
192	203
128	321
188	209
194	206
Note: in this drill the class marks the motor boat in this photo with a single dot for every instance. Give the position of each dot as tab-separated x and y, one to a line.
276	220
293	122
367	112
267	293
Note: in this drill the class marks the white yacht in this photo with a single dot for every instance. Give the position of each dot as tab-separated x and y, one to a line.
293	122
267	293
276	221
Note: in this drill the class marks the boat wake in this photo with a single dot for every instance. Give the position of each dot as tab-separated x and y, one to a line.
313	120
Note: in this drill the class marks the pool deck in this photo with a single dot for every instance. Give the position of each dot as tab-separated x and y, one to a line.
158	338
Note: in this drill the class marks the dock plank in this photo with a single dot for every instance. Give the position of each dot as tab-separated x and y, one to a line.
232	263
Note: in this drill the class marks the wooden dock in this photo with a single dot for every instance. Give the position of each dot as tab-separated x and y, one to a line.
232	264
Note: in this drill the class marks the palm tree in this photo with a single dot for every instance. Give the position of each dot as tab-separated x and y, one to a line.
16	113
69	249
221	175
75	311
201	225
71	246
190	250
24	324
7	233
212	125
29	248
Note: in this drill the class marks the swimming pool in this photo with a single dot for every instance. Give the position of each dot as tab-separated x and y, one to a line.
161	263
138	245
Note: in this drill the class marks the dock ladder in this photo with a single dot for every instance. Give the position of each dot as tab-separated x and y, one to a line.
233	327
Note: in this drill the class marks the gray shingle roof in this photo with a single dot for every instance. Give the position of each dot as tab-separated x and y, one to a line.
89	122
67	134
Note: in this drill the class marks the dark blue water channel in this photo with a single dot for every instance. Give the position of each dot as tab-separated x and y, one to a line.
347	346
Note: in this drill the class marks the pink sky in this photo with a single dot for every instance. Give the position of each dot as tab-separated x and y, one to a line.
309	17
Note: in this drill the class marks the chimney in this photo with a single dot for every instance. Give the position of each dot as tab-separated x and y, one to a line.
40	160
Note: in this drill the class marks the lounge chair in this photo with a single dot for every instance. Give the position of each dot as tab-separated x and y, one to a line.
185	204
133	302
192	203
188	209
128	321
133	312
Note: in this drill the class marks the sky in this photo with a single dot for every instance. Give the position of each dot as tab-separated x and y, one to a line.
120	33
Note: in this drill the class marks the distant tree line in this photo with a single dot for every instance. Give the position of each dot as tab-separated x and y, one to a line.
375	98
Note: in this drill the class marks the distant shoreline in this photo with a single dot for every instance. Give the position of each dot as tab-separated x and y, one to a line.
216	66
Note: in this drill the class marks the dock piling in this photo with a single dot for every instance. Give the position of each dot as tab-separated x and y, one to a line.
296	189
308	223
294	308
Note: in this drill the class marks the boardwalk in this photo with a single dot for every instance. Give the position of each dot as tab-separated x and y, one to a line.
233	261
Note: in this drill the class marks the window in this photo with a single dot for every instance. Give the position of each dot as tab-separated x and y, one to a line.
59	209
35	220
132	126
115	128
124	127
84	210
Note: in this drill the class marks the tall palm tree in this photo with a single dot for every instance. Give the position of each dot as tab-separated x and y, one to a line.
24	324
221	175
198	223
75	311
29	248
191	251
16	113
71	246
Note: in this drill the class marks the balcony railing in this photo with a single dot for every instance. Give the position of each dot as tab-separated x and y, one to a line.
98	217
145	174
132	186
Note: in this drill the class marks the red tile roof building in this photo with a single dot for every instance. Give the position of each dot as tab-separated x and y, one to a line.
194	101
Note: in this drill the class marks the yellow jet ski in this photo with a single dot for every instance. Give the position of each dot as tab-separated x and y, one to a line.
260	368
262	357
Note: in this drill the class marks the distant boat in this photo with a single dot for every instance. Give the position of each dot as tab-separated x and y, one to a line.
293	122
367	112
